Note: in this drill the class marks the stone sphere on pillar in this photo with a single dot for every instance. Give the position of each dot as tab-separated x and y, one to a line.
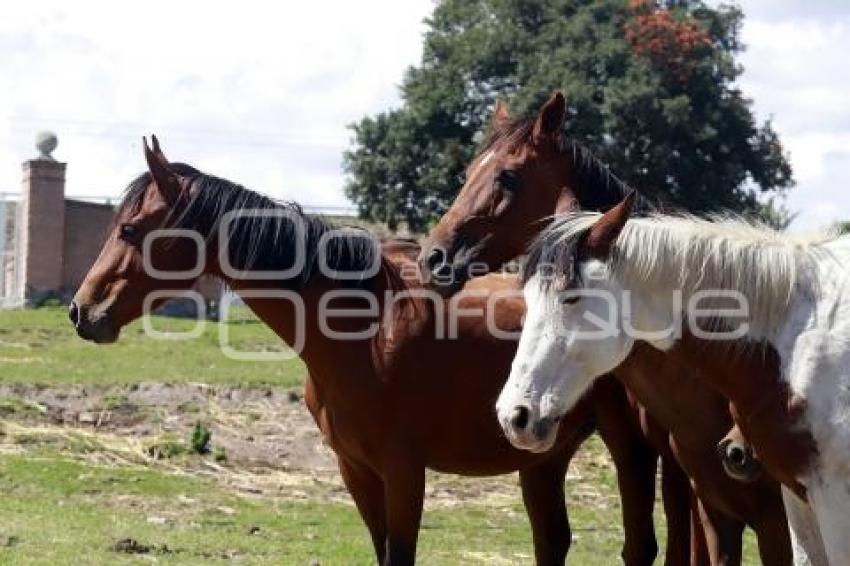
45	143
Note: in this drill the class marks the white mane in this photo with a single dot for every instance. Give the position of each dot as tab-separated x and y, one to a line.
692	254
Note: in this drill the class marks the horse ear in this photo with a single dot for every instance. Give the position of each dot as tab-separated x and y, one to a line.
166	181
604	232
551	118
157	150
501	115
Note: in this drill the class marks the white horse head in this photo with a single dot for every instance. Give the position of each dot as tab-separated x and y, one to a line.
595	284
569	337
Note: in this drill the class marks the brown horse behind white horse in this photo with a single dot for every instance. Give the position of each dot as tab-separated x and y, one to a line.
530	171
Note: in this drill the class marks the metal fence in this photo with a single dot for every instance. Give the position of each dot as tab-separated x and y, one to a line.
11	272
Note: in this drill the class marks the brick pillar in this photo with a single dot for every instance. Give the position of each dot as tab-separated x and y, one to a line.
43	227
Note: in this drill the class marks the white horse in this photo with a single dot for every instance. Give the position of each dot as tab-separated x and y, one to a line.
598	284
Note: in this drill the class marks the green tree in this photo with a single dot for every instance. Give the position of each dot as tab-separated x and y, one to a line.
651	88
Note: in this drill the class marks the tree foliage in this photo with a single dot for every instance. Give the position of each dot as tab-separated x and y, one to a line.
651	88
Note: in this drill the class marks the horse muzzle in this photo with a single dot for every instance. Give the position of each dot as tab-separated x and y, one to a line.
97	328
439	273
526	430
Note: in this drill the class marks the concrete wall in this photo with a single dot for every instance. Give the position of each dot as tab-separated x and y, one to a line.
86	226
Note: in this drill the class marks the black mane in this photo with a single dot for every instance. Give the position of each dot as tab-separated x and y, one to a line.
599	189
264	243
560	261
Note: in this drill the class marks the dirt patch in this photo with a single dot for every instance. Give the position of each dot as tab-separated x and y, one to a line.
264	442
255	427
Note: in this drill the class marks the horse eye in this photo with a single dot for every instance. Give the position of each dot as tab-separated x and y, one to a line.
128	232
508	179
570	299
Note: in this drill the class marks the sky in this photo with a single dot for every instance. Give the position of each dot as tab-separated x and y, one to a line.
262	93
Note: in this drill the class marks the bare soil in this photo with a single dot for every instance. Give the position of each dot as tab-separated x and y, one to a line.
271	443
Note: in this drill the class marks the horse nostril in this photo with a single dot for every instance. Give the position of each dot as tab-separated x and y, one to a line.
519	418
541	428
74	313
438	264
436	259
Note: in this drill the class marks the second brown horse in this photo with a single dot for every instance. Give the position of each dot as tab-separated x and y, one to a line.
526	173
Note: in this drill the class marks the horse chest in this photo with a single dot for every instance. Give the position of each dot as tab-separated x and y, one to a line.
361	438
349	436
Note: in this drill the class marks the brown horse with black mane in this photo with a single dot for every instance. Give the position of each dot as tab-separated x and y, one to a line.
392	395
528	172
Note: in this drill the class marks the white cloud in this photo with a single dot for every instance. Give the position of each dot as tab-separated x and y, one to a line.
256	91
262	92
794	9
796	72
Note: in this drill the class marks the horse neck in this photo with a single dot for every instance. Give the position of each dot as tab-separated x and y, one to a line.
343	366
742	369
761	401
588	193
739	371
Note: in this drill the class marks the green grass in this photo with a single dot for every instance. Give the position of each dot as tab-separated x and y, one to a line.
56	509
40	346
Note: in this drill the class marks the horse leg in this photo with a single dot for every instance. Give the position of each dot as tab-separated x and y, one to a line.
636	463
724	536
543	496
699	546
676	496
806	543
771	529
404	491
830	500
367	490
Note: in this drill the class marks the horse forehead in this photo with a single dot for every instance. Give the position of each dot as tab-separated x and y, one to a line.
153	211
486	158
478	176
505	156
152	203
536	297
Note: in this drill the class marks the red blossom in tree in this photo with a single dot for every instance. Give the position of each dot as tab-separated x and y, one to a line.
667	40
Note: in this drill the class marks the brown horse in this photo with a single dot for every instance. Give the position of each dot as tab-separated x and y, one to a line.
529	171
473	236
389	392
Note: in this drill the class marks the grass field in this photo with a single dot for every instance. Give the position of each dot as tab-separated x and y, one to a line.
40	346
56	509
71	494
